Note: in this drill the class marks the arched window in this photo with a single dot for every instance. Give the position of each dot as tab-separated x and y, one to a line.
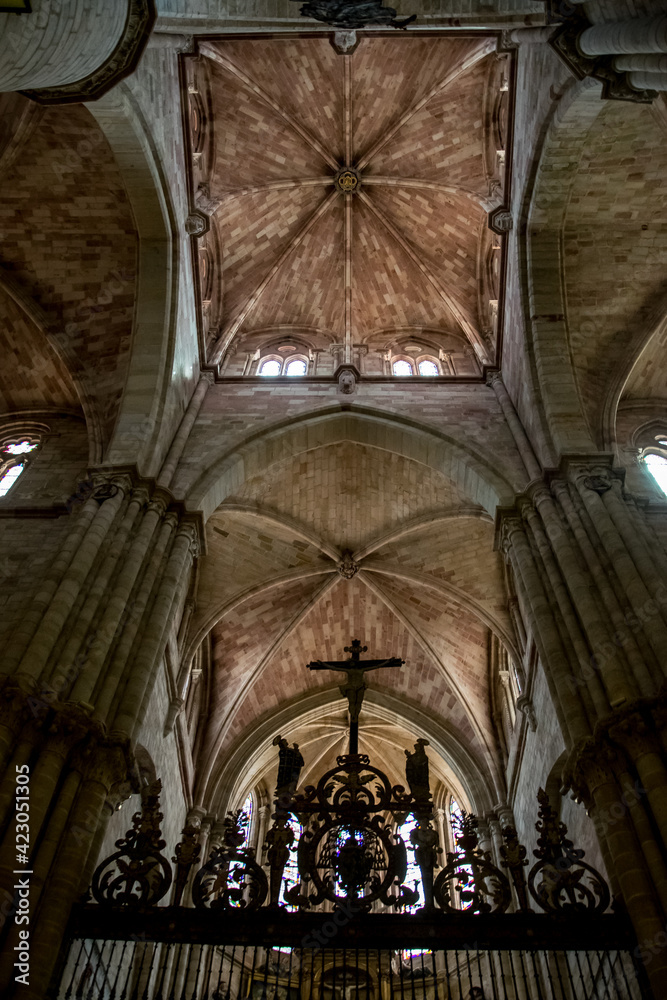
657	466
291	872
296	367
413	876
14	459
270	367
402	367
245	820
428	367
456	826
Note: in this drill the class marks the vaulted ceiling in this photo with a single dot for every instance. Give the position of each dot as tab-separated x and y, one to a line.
418	123
349	541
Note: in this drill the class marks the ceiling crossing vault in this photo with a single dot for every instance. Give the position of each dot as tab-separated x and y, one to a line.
348	195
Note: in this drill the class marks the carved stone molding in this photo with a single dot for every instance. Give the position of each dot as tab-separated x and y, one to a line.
500	220
122	61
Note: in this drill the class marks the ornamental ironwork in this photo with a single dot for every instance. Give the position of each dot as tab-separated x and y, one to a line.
470	882
137	874
231	878
561	882
349	851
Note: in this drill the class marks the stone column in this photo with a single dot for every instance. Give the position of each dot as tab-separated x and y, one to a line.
264	818
74	51
591	577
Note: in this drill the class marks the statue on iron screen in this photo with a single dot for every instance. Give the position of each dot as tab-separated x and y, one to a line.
289	766
353	13
416	772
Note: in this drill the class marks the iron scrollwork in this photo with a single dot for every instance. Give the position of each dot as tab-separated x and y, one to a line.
560	882
231	878
137	874
347	851
481	887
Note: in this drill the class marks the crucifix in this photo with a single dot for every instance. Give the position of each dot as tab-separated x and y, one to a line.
355	685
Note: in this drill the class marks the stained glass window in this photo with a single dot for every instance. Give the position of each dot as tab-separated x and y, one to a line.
296	367
413	876
428	368
291	872
270	367
246	820
657	466
402	368
456	825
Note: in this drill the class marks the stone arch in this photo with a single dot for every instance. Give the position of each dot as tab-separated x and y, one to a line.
223	785
139	435
471	471
547	330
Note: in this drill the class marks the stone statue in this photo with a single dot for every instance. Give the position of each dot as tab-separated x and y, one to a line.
353	13
289	767
416	772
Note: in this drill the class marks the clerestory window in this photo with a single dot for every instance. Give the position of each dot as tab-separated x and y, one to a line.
15	454
657	466
294	366
426	367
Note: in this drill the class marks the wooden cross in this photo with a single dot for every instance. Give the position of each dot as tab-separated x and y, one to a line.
355	684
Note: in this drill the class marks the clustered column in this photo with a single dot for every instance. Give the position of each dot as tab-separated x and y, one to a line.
591	577
76	680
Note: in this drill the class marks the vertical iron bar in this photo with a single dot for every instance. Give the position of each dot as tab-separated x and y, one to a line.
137	982
510	956
601	960
119	966
68	991
458	971
560	978
525	978
157	949
128	974
536	974
210	955
193	995
447	975
174	971
412	972
165	955
492	973
467	953
546	961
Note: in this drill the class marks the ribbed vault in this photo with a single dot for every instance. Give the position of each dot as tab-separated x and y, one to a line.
344	541
282	118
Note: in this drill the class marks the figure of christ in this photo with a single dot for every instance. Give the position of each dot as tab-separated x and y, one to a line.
355	684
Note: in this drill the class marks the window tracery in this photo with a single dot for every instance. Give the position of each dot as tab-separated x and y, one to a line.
424	365
295	365
15	454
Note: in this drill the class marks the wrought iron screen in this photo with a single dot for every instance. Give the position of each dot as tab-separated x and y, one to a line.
136	970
